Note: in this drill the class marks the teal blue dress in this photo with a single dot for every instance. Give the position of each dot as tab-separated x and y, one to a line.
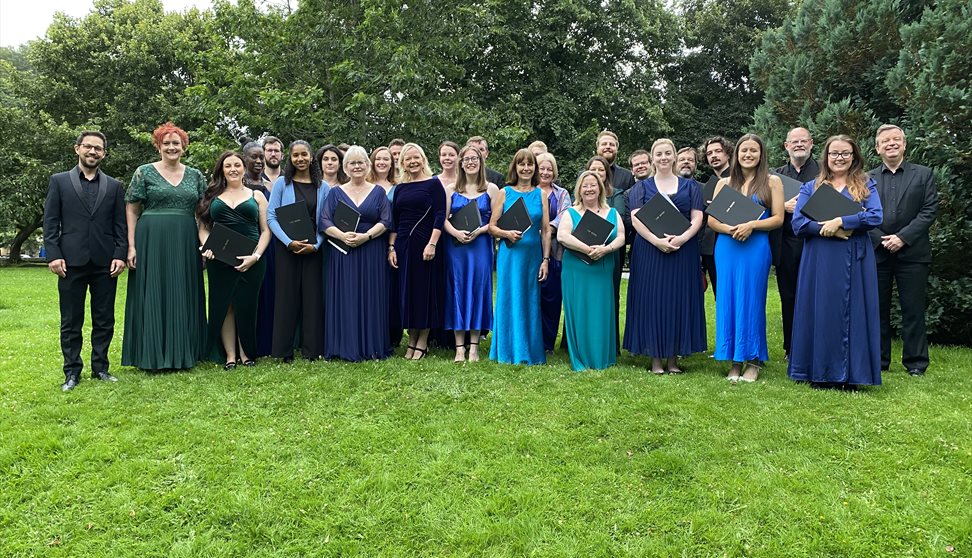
517	333
588	291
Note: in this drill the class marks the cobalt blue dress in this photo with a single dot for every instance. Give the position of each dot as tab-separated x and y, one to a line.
836	324
418	209
665	313
741	308
469	274
518	334
356	301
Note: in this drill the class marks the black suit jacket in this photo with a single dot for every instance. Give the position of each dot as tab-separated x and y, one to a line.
909	213
80	236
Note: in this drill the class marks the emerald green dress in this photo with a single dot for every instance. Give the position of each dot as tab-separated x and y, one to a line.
165	313
588	291
227	286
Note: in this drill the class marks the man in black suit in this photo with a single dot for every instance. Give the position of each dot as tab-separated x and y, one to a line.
787	247
86	238
901	245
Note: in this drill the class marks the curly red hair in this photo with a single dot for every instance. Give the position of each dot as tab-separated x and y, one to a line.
166	129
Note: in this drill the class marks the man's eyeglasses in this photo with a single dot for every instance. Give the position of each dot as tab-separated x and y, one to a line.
95	148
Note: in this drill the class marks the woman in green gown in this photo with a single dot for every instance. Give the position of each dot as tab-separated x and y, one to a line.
165	316
588	288
234	291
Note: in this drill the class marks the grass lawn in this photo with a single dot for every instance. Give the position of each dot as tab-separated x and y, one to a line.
433	459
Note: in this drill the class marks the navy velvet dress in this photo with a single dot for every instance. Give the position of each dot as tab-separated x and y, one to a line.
469	274
665	312
836	324
418	209
356	300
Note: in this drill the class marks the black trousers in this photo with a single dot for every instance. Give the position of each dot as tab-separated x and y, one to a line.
709	268
787	271
912	281
72	291
298	298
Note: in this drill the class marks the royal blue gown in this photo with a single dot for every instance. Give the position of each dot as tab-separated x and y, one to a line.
356	301
518	334
469	274
666	313
741	308
836	324
418	209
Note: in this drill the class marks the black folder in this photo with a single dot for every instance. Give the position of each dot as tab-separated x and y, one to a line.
466	219
592	230
791	186
708	191
826	204
516	218
662	217
346	219
228	244
732	208
296	223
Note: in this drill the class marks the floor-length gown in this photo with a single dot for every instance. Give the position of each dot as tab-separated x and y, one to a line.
517	329
836	324
228	287
665	312
741	308
589	305
469	275
418	209
264	329
165	309
551	297
356	301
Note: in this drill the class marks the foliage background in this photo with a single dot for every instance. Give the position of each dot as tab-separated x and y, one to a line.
511	70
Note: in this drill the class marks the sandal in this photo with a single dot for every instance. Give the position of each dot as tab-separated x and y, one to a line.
249	362
406	356
460	358
673	369
734	374
229	366
417	350
470	355
750	366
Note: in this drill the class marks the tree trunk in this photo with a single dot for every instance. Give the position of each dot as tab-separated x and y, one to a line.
22	235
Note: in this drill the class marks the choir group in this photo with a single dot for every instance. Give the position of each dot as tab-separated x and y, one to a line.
393	247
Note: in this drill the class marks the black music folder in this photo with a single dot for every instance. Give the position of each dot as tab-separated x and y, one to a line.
708	190
466	219
228	244
662	217
733	208
346	219
791	186
296	223
516	218
592	230
826	204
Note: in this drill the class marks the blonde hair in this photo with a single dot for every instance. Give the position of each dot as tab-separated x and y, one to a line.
548	157
372	177
403	174
661	141
602	191
462	181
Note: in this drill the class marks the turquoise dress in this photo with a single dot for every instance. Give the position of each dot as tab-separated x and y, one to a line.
517	330
741	306
588	291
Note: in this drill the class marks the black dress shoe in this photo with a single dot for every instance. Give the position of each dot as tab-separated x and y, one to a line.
70	383
103	376
916	372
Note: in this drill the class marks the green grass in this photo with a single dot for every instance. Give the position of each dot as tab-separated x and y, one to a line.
432	459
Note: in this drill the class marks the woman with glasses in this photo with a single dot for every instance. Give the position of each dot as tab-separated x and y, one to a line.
743	258
836	325
469	258
356	300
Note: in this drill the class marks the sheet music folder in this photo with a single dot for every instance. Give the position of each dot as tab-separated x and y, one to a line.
346	219
227	244
733	208
592	230
467	219
826	204
516	218
661	217
296	223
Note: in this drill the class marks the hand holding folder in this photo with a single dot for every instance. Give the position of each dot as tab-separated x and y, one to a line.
516	219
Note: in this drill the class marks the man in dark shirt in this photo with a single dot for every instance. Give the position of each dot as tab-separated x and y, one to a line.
787	247
86	239
272	155
480	143
901	245
686	162
640	161
717	150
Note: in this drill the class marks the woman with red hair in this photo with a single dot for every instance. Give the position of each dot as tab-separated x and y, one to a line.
165	316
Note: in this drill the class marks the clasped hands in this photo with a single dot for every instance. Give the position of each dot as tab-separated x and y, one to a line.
834	228
466	237
300	248
669	243
355	239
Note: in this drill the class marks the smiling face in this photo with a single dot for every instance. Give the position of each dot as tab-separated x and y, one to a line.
641	166
590	191
840	156
383	161
890	145
356	167
412	161
171	147
330	163
254	161
748	153
447	158
798	145
607	147
233	169
545	173
685	164
471	163
597	168
90	152
525	169
300	157
663	156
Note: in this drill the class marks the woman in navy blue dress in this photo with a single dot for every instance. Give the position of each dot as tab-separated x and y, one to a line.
551	293
521	265
255	180
666	313
836	329
418	214
469	258
356	301
742	255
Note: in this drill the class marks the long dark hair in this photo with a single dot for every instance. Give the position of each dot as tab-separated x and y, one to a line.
523	155
290	170
760	185
341	176
217	185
